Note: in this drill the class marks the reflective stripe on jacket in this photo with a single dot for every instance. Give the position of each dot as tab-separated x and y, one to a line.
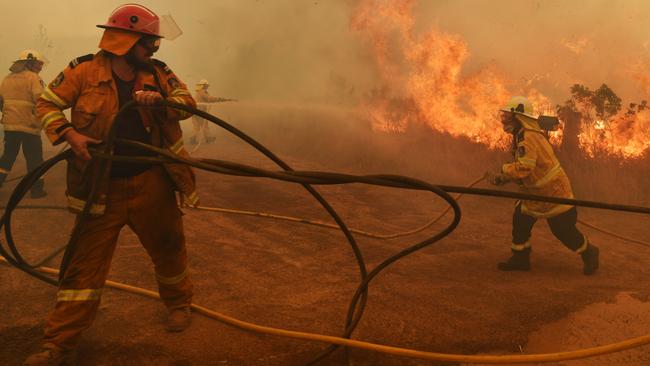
88	87
19	92
538	170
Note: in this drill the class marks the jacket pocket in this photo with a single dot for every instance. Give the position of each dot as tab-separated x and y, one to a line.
87	110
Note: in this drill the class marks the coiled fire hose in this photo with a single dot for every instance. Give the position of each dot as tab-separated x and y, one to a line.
306	178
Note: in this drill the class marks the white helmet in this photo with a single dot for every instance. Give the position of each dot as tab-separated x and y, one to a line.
31	55
519	105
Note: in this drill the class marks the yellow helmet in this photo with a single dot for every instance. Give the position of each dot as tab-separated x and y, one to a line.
203	82
519	105
31	55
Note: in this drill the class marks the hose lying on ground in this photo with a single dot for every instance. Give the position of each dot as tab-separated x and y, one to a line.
103	155
326	225
384	236
398	351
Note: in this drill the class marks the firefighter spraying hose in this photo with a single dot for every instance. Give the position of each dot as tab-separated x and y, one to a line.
104	153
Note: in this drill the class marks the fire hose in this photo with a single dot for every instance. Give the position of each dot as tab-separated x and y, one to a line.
383	236
326	225
104	155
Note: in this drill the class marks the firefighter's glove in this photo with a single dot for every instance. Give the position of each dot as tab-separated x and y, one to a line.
147	97
497	179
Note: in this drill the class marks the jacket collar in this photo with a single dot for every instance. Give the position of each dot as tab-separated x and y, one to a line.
105	70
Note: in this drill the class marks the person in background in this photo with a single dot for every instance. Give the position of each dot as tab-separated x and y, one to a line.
19	92
199	124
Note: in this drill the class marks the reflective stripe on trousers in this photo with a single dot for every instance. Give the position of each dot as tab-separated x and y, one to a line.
146	203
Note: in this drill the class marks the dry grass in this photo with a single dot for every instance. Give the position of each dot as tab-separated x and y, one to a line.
343	141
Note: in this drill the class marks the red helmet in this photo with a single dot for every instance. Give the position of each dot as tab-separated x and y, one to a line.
134	18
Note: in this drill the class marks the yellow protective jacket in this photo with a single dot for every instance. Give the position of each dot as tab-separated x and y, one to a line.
88	87
19	92
537	170
202	98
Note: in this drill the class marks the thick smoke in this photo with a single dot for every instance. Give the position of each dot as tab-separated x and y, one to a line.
304	51
271	50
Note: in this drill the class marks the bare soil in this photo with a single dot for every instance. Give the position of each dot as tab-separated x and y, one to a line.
446	298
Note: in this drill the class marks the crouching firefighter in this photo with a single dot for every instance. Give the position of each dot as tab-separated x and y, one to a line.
537	170
139	195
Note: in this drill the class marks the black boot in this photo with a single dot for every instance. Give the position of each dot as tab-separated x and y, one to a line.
590	260
520	261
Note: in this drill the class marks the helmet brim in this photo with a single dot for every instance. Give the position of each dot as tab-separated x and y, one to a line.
515	112
142	33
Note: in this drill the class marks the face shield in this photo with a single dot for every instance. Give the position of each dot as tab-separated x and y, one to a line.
167	27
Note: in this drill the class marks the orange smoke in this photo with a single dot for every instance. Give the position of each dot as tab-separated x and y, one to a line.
422	78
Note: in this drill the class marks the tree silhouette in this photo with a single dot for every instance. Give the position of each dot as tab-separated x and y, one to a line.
589	105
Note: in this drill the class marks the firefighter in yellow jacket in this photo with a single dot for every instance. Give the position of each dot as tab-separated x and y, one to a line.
19	92
139	195
199	124
538	171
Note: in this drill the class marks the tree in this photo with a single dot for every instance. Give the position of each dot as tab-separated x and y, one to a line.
605	102
588	105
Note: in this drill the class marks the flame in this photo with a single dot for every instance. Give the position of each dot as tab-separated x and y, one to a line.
388	115
422	80
624	136
424	75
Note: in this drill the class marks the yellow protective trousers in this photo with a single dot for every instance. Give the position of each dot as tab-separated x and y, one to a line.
146	203
201	127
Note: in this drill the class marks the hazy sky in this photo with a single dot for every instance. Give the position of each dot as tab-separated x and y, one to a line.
305	51
246	48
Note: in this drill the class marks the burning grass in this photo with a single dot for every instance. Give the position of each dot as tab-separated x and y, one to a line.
343	140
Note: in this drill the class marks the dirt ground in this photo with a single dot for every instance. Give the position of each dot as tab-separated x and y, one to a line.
446	298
